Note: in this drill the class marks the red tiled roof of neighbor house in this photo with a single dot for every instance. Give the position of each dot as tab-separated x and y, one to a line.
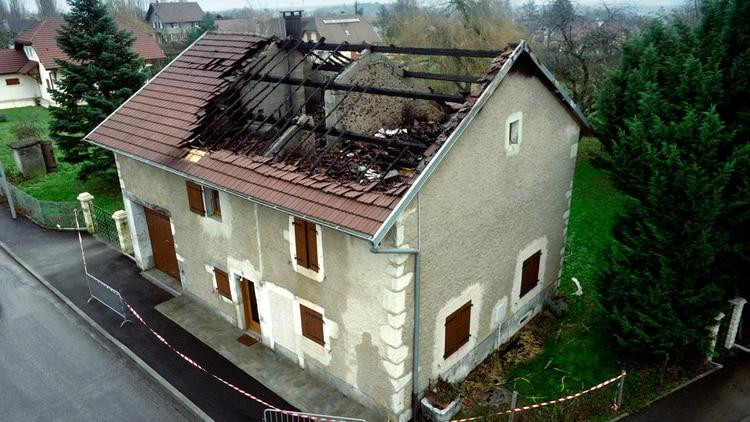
152	125
14	61
43	37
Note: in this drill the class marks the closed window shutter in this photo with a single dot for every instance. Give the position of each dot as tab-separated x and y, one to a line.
300	240
457	329
530	273
195	198
222	283
312	324
312	246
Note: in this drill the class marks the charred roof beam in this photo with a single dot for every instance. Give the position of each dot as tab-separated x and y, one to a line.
417	51
390	92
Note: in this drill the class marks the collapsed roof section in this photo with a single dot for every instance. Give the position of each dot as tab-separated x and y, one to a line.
296	125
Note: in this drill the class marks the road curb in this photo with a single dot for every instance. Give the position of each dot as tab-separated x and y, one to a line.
704	374
140	362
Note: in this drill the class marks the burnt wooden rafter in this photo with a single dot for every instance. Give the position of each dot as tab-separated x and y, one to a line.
418	51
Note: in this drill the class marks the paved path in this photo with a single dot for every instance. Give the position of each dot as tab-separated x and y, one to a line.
55	256
723	396
53	366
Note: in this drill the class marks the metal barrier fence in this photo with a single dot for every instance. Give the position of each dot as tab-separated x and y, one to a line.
107	296
104	226
57	215
278	415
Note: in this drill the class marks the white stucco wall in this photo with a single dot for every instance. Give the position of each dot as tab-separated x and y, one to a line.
485	210
360	294
21	95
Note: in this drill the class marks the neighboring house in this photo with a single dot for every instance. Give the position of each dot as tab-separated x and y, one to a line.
39	43
310	219
335	28
19	79
171	21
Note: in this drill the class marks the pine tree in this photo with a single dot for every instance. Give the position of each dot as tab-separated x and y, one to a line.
101	73
662	287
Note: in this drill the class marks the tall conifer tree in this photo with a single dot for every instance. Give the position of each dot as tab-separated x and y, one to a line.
101	73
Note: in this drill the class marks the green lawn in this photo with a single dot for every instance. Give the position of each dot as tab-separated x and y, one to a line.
576	351
62	185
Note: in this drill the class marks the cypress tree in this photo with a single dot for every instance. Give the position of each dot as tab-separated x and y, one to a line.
101	73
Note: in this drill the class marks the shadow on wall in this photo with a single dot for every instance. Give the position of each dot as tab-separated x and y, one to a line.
371	373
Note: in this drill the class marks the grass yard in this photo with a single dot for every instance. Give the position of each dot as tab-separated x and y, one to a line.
553	357
62	185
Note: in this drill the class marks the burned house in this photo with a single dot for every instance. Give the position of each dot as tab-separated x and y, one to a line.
305	197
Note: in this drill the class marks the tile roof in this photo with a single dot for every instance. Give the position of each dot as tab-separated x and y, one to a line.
176	12
153	123
346	28
43	37
13	61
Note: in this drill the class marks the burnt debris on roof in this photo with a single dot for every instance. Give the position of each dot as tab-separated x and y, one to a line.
366	121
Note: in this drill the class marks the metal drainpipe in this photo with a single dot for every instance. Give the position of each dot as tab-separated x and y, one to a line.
415	345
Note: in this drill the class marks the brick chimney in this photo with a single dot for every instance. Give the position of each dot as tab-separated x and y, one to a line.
293	23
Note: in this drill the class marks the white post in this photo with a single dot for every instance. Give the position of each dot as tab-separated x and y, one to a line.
513	403
714	333
85	199
734	321
123	234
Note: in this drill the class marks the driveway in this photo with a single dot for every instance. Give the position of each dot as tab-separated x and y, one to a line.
723	396
54	367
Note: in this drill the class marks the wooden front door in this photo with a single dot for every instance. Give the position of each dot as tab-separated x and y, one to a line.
162	243
250	304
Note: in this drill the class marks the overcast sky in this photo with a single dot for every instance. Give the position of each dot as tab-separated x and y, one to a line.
214	5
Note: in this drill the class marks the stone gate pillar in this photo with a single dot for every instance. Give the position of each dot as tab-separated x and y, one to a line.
734	321
85	199
123	232
714	333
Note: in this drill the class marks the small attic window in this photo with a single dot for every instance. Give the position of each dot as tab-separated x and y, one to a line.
513	133
513	140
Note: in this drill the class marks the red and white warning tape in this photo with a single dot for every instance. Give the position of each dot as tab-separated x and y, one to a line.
194	363
264	403
547	403
187	359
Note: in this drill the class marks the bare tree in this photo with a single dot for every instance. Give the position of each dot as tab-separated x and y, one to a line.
580	48
4	12
47	8
16	8
133	11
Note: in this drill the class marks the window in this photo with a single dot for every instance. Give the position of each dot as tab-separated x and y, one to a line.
513	133
306	242
203	200
13	81
457	329
312	324
513	136
213	205
195	198
222	283
530	273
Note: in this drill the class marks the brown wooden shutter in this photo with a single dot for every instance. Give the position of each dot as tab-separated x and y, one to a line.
300	240
312	246
530	273
457	329
222	283
195	198
312	324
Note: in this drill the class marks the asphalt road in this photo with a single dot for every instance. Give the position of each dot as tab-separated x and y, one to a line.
723	396
53	366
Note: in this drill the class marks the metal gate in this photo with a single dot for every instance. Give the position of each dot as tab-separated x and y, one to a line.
277	415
